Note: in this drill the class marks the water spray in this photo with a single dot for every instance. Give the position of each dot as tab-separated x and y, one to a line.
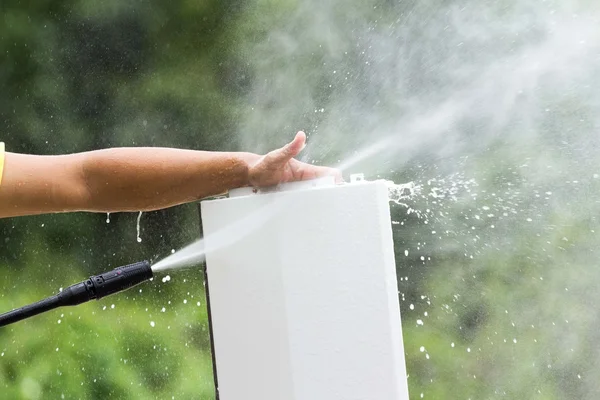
96	287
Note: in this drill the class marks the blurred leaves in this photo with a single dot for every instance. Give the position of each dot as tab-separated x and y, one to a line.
497	283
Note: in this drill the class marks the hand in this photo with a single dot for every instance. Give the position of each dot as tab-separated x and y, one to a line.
279	166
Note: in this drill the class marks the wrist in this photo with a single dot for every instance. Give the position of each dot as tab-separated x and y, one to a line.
241	164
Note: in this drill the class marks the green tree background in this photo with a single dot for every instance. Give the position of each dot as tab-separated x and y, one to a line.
490	112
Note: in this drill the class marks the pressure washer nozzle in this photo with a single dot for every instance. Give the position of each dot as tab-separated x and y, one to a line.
96	287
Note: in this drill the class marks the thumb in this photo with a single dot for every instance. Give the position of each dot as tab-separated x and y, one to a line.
290	150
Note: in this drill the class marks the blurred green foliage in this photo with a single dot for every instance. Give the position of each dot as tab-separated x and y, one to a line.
493	306
82	75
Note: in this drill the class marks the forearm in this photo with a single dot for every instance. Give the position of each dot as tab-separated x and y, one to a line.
131	179
38	184
124	179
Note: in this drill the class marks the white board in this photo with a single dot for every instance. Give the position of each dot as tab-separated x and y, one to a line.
304	296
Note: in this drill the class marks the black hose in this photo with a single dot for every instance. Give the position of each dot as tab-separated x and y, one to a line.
30	310
96	287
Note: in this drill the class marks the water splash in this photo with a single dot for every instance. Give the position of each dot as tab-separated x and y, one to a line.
402	193
428	199
407	195
139	239
190	255
194	253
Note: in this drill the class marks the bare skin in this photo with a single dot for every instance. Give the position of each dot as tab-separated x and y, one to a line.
141	179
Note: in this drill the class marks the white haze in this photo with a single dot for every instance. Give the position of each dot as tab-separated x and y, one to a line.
498	100
416	77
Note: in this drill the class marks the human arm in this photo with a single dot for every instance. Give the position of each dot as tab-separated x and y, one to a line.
140	179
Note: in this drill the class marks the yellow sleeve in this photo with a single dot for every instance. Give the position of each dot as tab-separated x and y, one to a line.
1	160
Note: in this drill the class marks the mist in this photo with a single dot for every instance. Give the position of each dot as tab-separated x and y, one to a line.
377	86
491	111
482	116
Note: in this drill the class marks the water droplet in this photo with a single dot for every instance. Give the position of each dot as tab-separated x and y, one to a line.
139	239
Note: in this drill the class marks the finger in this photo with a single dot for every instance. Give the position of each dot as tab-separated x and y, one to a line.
298	144
338	175
302	171
290	150
326	171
